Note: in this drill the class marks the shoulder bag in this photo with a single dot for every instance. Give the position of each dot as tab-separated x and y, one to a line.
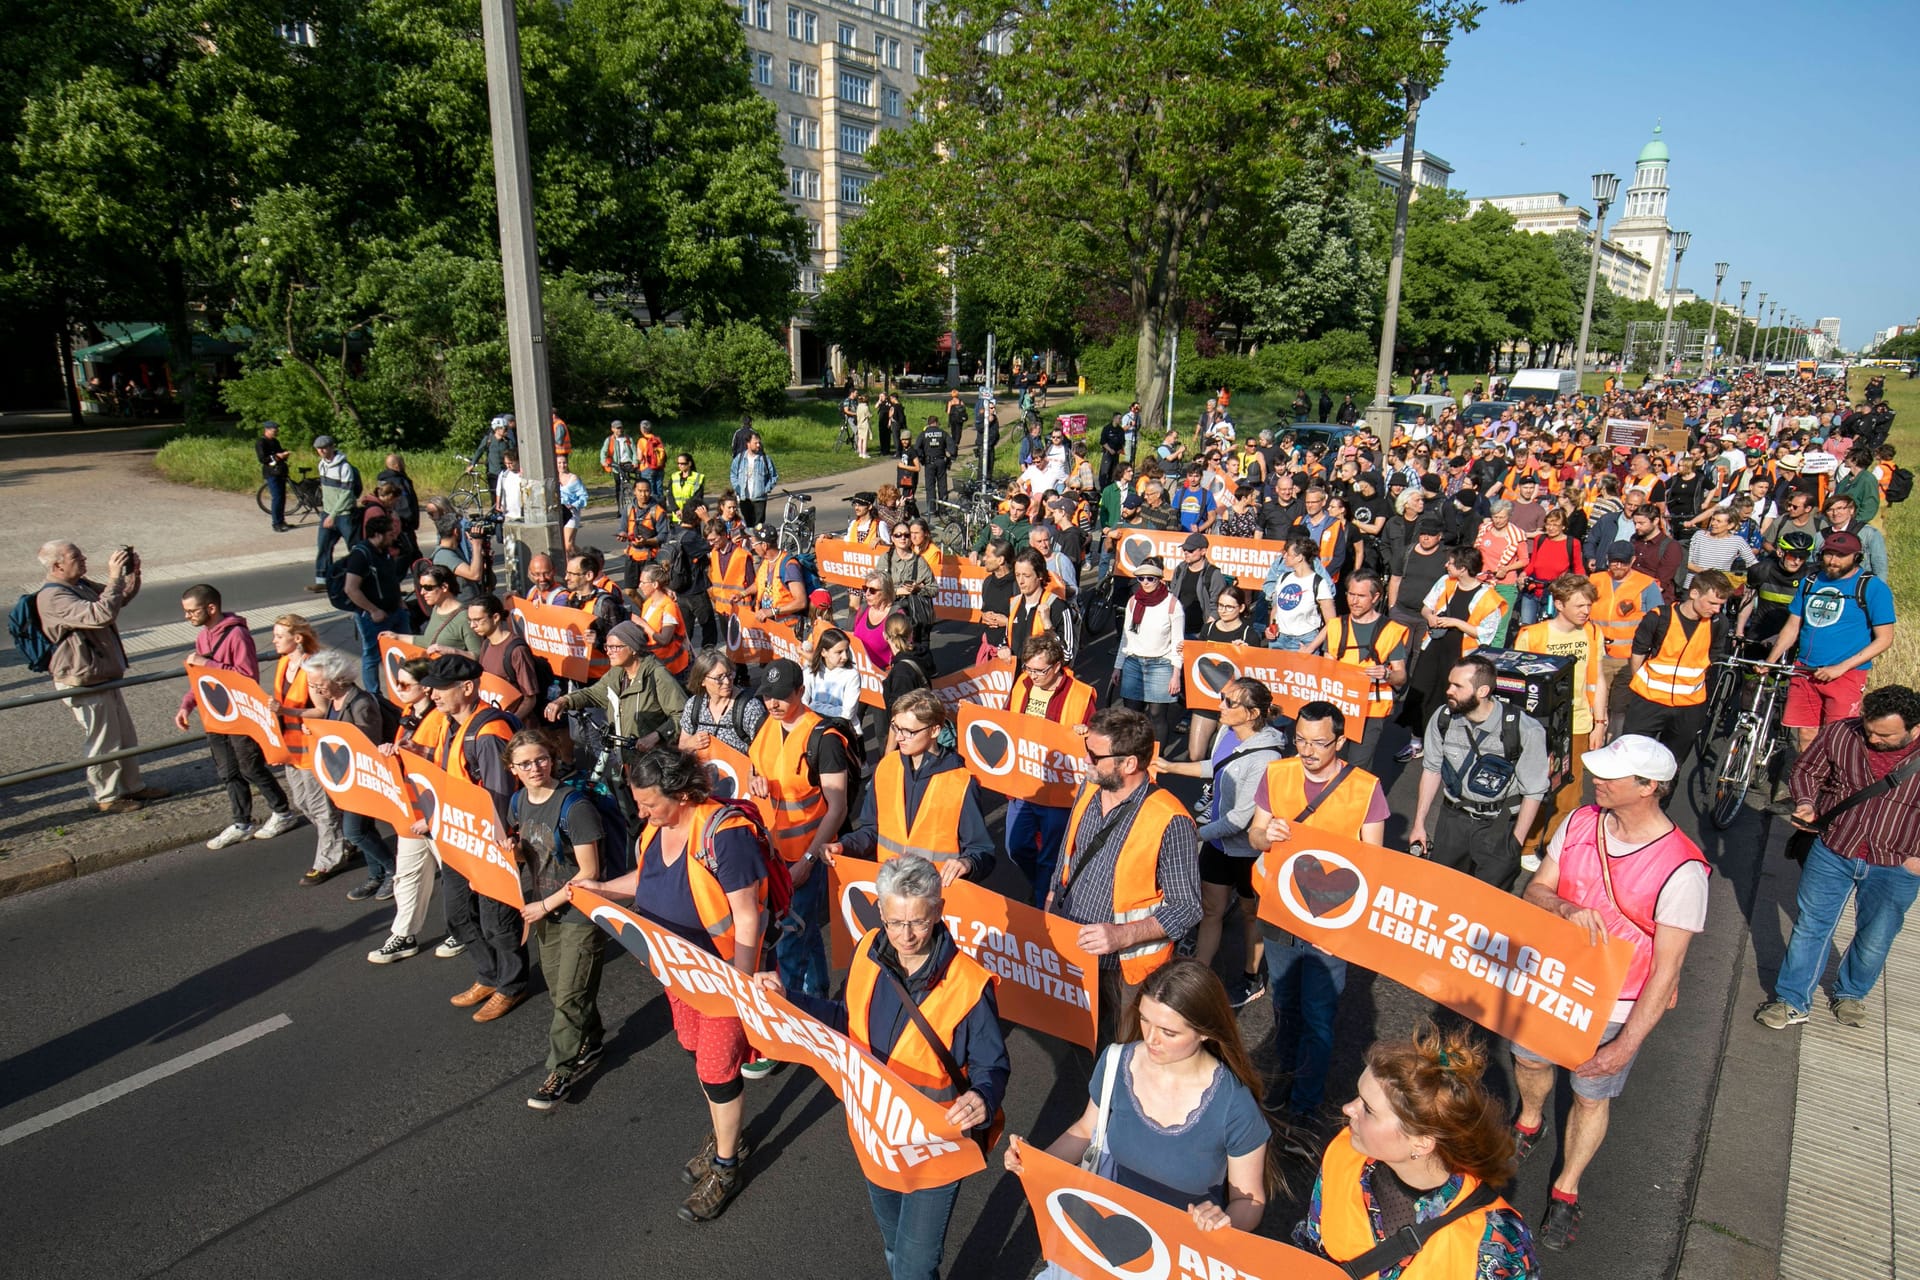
986	1134
1096	1151
1800	843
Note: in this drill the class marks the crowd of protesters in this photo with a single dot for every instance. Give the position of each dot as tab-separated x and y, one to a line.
1419	559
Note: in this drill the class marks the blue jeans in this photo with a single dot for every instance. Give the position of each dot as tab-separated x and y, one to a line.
363	833
1533	610
1881	896
277	498
913	1226
370	649
1306	984
329	535
802	952
1034	833
1292	644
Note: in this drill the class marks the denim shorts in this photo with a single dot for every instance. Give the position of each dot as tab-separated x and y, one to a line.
1592	1088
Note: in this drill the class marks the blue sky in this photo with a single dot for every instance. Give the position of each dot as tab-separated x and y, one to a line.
1775	113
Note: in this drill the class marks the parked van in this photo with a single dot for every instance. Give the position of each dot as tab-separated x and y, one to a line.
1407	408
1543	384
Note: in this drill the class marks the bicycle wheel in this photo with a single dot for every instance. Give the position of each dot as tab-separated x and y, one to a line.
950	535
1736	776
265	499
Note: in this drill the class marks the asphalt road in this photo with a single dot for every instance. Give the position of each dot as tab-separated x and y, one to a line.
380	1131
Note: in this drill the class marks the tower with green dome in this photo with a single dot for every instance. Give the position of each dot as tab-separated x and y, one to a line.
1643	228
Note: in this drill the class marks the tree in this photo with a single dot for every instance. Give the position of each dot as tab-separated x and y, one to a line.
1120	136
884	304
1312	261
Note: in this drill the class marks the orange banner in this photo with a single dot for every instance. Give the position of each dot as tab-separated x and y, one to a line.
395	653
845	563
901	1136
1246	560
957	594
234	704
987	684
1045	980
749	640
563	636
466	834
1025	757
1521	972
1295	678
1095	1228
356	777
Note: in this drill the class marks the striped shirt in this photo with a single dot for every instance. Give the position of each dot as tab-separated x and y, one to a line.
1882	832
1090	901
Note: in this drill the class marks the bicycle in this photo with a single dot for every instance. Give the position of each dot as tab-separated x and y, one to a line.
956	525
1755	740
796	524
471	492
303	498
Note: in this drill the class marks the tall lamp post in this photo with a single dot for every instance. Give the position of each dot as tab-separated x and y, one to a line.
1744	286
1713	317
1773	323
1753	346
1605	187
1380	412
1680	239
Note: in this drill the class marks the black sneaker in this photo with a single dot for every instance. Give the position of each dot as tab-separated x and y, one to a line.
553	1090
1245	989
589	1055
365	891
1561	1226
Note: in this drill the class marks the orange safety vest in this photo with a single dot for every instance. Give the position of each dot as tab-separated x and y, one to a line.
1486	603
1136	880
290	693
655	612
647	527
945	1008
562	438
1076	710
427	735
1346	1225
866	532
1533	639
935	831
798	805
771	594
1644	484
709	899
1342	811
1390	634
1676	676
1618	610
1042	613
452	746
1329	539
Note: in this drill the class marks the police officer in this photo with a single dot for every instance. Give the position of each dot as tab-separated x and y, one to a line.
939	446
1486	762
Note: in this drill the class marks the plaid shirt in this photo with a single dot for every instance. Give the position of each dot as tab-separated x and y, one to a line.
1178	874
1882	832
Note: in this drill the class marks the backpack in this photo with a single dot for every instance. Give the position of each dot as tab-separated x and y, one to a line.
856	757
810	580
337	580
779	878
1811	580
29	637
1899	485
738	715
616	844
1484	773
673	554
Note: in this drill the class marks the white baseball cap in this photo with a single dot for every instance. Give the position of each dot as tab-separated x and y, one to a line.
1632	755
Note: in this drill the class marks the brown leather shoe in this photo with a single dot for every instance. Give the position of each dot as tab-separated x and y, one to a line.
125	804
472	996
498	1005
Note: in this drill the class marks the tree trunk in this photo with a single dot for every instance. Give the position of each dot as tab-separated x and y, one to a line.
67	382
180	341
1153	357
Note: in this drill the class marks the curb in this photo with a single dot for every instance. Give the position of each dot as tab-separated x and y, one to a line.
24	874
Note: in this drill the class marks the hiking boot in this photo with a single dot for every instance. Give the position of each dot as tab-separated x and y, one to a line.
277	825
1524	1143
553	1091
1561	1226
234	834
711	1194
1849	1013
1779	1015
702	1163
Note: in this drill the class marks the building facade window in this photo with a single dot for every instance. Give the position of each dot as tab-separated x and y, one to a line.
849	36
803	25
855	139
856	88
853	188
919	61
887	8
816	235
763	68
300	33
803	132
803	184
762	14
890	101
886	51
918	13
803	79
810	280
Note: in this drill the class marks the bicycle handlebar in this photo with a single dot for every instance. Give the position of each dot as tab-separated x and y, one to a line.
1757	664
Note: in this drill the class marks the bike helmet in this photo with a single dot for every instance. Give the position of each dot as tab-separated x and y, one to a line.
1796	543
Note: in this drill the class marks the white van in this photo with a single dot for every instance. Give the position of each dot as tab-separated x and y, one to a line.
1543	384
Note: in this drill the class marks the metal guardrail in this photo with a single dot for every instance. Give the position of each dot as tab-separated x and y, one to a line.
125	682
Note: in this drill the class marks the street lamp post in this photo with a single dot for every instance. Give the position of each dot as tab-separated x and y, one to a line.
1680	239
1744	286
1605	187
1773	315
1713	317
1380	412
1753	346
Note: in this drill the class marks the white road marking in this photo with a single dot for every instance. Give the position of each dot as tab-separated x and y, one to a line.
100	1097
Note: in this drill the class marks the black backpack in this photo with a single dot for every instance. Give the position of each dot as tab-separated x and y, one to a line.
738	715
856	756
616	843
679	565
337	579
1899	485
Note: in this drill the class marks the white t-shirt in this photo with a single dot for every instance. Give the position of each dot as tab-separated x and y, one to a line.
1296	602
1682	903
511	491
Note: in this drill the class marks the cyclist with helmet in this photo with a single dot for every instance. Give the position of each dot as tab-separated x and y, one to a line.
1771	585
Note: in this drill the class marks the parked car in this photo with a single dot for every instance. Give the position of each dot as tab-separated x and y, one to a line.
1485	411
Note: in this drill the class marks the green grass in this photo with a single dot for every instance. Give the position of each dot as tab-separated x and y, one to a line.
801	442
1900	664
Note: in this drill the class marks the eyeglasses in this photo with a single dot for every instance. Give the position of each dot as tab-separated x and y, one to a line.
1037	672
909	731
872	590
1318	744
611	645
908	926
717	677
538	762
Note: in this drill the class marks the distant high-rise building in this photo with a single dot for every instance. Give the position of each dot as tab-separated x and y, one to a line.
1830	326
1430	172
1545	213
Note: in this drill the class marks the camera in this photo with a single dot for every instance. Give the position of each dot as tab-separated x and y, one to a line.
483	524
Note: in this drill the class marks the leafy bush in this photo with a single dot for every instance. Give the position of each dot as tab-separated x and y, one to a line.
1109	367
1207	374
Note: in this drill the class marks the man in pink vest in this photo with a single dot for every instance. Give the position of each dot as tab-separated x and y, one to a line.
1618	867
